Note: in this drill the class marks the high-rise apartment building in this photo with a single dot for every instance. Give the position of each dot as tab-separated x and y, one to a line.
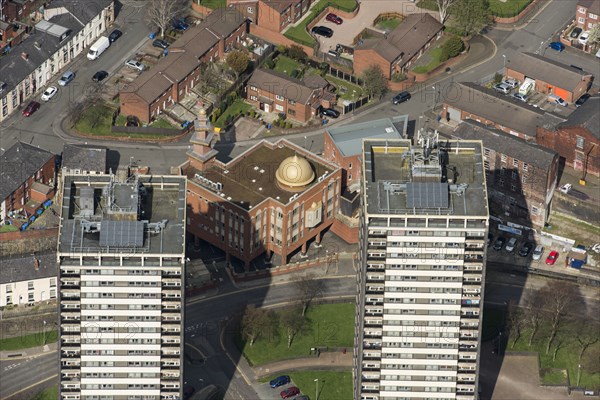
121	253
423	231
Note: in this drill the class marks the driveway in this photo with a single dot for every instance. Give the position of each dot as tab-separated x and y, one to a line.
369	10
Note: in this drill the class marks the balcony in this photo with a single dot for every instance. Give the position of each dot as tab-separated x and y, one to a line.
375	278
466	378
373	321
371	344
467	367
370	376
372	267
371	355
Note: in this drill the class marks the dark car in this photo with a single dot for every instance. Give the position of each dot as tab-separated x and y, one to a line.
114	35
331	17
499	243
31	108
526	249
322	31
490	239
280	381
180	25
558	46
160	43
99	76
330	112
289	392
132	120
582	100
575	33
401	97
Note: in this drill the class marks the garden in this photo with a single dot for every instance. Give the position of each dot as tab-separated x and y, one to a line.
446	48
50	393
27	341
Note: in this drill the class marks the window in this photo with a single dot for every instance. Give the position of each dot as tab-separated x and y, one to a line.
253	88
291	102
8	299
525	167
30	298
278	97
291	112
350	166
534	210
52	282
486	152
513	188
14	99
278	107
30	285
250	10
524	179
515	163
582	10
581	20
254	98
514	175
592	16
350	177
52	293
580	142
503	158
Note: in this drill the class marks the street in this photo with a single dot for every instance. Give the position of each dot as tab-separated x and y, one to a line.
19	374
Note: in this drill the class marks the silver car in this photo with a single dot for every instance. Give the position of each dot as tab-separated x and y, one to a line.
521	97
538	252
66	78
512	83
502	88
135	65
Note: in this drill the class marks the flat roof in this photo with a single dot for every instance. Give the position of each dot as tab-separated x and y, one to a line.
446	179
348	138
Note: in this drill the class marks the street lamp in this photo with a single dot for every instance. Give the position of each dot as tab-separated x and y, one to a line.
434	97
304	142
317	389
44	333
353	101
578	373
504	57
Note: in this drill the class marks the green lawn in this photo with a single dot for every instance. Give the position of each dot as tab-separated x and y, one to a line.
555	377
7	228
389	24
237	107
326	325
427	5
333	385
96	120
286	65
214	4
581	232
350	87
48	394
27	341
507	8
162	123
435	55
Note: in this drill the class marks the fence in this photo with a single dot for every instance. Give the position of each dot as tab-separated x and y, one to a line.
147	130
357	104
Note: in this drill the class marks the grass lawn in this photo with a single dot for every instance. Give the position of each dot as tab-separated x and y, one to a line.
326	325
389	24
333	385
507	8
214	4
162	123
96	120
554	377
27	341
48	394
427	5
286	65
237	107
349	86
7	228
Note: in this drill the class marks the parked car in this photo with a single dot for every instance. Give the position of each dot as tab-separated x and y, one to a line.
575	32
289	392
499	243
114	35
583	38
180	25
280	381
135	65
512	83
537	252
510	246
558	100
490	238
521	97
160	44
525	249
401	97
582	99
322	31
99	76
331	17
527	86
49	93
132	120
502	88
566	188
558	46
66	78
31	108
552	257
330	112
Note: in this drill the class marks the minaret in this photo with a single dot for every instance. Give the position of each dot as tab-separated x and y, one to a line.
202	152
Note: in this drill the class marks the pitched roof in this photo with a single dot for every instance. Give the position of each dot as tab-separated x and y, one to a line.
501	109
21	267
280	84
553	72
505	143
279	5
587	116
315	81
407	39
84	157
592	6
17	164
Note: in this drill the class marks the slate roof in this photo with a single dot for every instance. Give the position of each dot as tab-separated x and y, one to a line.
588	116
17	164
280	84
407	39
505	143
280	5
553	72
22	268
593	6
315	81
84	157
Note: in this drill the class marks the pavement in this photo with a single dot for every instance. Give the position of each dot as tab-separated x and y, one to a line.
11	355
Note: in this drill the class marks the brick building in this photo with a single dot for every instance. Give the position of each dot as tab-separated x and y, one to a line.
551	77
271	91
521	176
11	10
175	75
26	173
577	139
398	51
587	14
274	15
273	199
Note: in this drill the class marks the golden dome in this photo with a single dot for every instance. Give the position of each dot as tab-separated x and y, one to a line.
294	173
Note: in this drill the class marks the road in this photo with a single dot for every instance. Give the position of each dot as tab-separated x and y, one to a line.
17	375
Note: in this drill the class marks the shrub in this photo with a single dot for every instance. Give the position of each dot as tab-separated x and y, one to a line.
288	125
497	78
295	73
281	49
269	63
398	77
451	48
252	113
297	53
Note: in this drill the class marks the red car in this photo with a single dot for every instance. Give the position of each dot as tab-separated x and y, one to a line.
331	17
552	257
31	108
289	392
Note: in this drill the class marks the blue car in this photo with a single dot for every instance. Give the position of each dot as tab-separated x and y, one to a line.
280	381
180	25
558	46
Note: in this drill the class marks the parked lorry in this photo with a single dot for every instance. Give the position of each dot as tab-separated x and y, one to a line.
98	48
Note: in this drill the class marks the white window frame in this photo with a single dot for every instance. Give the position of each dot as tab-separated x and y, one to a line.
280	98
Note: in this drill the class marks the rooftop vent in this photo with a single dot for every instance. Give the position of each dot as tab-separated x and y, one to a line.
24	56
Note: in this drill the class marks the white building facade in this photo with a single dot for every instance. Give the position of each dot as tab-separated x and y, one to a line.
28	279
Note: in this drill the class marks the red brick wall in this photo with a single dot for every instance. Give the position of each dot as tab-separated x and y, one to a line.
268	18
588	22
23	193
564	142
350	165
300	112
350	235
243	6
568	94
277	38
364	58
464	115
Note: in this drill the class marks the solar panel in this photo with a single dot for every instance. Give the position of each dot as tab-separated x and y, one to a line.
427	195
122	233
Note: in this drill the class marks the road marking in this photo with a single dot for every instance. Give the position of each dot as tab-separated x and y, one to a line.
27	357
235	364
31	386
197	349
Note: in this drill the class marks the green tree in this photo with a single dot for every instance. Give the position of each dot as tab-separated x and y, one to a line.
238	61
560	300
297	53
255	322
594	38
469	16
374	81
452	47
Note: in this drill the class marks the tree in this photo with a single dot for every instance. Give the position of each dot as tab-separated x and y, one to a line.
292	321
533	314
587	334
444	7
374	81
297	53
255	322
559	299
452	47
161	13
594	38
309	288
470	16
516	322
591	360
238	61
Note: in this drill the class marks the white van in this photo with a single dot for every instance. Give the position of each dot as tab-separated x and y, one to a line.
527	86
98	48
598	53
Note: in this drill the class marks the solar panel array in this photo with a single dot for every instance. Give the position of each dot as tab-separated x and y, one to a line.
427	195
122	233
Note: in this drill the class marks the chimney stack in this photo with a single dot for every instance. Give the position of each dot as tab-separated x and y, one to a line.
24	56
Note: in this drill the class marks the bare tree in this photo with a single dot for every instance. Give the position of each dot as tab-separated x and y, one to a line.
255	321
586	334
591	360
292	321
560	298
309	288
516	322
161	13
443	7
533	314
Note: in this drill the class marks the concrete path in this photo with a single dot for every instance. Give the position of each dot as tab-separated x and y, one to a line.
7	355
332	361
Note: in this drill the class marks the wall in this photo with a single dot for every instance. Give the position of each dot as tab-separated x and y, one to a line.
564	142
29	234
533	6
350	165
43	289
568	94
277	38
464	115
365	58
200	9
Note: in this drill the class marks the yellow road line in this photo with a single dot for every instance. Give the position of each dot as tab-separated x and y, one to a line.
31	386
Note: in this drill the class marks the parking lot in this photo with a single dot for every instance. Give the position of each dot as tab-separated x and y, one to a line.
265	392
540	100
